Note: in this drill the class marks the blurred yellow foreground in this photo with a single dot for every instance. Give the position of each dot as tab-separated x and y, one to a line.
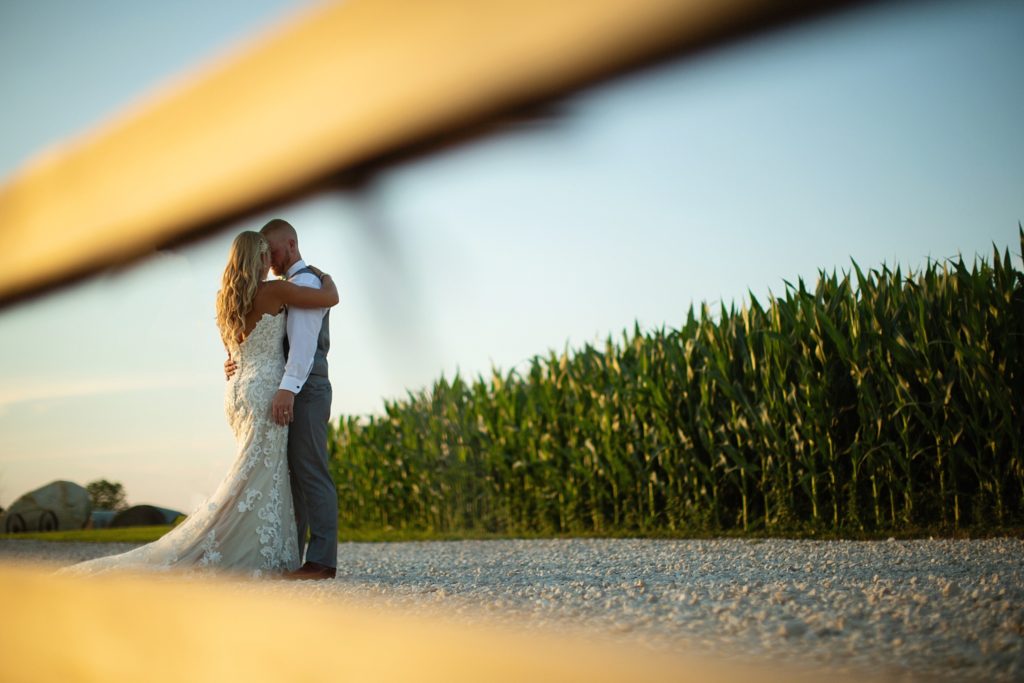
175	628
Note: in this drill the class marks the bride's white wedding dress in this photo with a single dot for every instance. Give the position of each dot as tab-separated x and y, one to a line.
248	524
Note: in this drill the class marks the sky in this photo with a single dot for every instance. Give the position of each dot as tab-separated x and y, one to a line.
883	135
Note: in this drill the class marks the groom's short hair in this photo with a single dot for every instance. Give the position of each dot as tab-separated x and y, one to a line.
279	225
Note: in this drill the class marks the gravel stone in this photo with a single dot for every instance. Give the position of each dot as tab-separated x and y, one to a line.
921	610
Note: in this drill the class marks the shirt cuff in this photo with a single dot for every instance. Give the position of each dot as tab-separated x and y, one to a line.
292	384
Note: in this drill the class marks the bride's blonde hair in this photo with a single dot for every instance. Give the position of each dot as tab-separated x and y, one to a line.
238	286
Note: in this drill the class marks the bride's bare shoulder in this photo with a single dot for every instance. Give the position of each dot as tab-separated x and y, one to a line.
269	296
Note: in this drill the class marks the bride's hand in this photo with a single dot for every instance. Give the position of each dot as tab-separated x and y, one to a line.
319	273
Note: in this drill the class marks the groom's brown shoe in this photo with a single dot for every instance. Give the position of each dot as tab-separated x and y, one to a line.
311	570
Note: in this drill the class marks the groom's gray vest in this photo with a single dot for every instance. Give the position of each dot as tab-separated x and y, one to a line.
323	341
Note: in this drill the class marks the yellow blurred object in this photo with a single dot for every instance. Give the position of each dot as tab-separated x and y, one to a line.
336	86
125	627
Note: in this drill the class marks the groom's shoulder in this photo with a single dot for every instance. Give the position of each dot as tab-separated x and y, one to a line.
306	278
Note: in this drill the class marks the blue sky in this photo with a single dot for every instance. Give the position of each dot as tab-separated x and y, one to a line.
886	134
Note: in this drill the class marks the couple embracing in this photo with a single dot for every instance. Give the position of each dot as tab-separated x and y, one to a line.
278	402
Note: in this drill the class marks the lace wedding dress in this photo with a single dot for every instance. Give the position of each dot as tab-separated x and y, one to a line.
248	524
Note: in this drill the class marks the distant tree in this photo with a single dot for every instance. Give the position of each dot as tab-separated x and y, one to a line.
106	495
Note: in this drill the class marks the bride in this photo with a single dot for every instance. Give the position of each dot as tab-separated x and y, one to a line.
248	524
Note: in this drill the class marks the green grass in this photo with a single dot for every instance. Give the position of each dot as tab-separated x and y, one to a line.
138	534
406	535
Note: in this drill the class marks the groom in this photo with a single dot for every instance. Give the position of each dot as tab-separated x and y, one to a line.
304	399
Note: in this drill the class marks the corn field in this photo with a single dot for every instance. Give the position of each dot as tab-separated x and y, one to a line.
875	401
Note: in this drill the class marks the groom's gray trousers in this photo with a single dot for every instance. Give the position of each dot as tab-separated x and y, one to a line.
313	491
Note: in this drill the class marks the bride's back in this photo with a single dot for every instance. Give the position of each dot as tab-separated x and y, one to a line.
261	361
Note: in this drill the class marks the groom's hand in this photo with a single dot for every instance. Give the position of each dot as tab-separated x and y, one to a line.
230	366
282	407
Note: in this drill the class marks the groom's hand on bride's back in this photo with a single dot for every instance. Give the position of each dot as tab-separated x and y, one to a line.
230	366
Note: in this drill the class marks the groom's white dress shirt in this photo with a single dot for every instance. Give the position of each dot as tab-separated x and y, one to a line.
303	326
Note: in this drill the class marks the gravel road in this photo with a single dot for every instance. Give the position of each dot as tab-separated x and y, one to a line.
942	610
